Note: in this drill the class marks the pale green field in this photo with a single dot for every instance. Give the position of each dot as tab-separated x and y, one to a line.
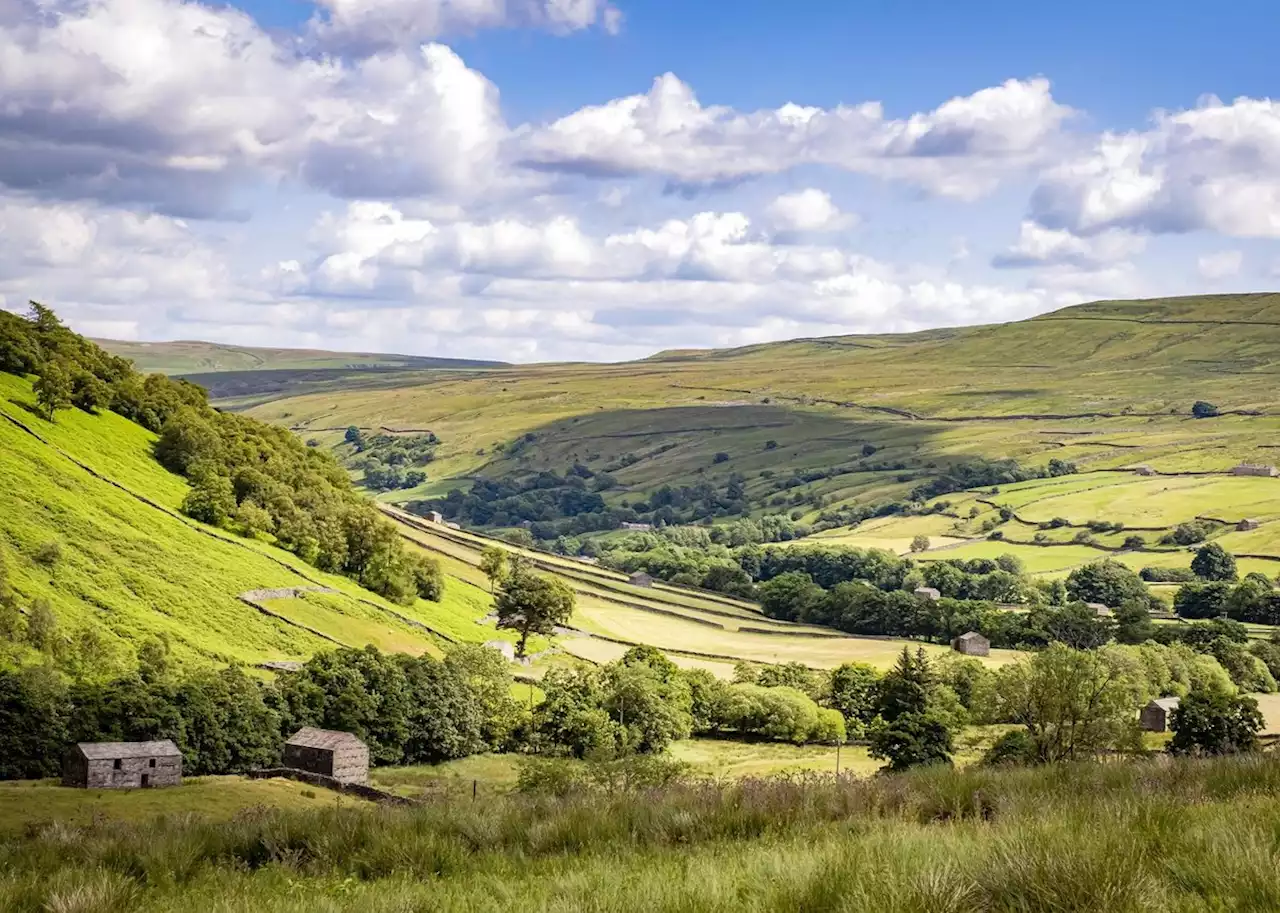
24	802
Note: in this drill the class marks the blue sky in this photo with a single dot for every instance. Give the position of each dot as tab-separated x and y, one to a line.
549	179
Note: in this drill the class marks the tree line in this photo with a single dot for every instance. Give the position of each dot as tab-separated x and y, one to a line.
245	475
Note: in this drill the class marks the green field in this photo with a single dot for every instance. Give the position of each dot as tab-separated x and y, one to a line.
25	803
132	566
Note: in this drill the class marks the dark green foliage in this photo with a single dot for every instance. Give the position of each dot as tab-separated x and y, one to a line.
34	708
1213	723
854	690
1133	624
1108	582
531	603
42	625
1188	533
1013	748
721	457
1213	562
1167	574
974	473
1202	600
52	388
1202	409
911	740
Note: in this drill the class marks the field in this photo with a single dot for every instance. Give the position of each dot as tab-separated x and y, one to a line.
1121	838
697	630
26	803
133	566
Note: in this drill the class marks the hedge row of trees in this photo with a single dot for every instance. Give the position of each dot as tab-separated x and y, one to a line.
408	709
246	475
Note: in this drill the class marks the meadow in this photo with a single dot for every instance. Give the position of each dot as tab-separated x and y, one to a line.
1122	838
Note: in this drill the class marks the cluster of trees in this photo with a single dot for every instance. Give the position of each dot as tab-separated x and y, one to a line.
407	709
977	472
388	461
245	475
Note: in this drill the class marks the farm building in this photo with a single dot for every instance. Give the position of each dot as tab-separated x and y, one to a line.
435	516
1247	524
640	578
638	527
324	751
1155	716
1144	470
1254	469
971	644
122	765
1099	609
928	592
452	526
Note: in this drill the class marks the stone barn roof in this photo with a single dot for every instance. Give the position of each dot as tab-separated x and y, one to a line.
310	737
109	751
1165	703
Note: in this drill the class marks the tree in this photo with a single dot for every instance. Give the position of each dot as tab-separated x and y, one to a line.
1108	582
1213	562
1202	600
1201	409
855	691
53	389
1073	703
1133	623
920	544
790	596
1213	722
532	604
911	740
493	562
42	626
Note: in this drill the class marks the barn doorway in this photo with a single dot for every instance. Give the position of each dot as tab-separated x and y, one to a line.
146	780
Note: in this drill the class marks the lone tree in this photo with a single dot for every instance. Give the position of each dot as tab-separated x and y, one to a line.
532	604
1214	723
53	389
920	544
493	562
1213	562
908	732
1201	409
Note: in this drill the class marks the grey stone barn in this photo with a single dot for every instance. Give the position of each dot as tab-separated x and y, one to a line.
122	765
1155	716
332	754
928	592
972	644
640	578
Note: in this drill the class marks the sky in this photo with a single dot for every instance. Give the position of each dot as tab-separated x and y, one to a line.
548	180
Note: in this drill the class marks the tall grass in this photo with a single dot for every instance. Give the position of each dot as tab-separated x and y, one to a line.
1122	837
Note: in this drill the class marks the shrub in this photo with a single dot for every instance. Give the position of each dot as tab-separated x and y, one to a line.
1202	409
47	554
1213	562
1215	723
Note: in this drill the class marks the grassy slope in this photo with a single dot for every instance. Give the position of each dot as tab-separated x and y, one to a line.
27	802
133	566
696	630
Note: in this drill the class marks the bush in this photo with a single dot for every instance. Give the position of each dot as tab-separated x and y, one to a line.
1167	574
1202	409
1215	723
1213	562
47	554
1014	747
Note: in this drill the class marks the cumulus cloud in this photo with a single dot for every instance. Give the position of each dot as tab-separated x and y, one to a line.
807	210
1221	265
367	26
175	104
961	149
1040	246
1214	167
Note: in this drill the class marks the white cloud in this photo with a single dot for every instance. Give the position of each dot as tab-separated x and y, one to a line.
365	26
1040	246
1221	265
1214	167
176	104
963	148
807	210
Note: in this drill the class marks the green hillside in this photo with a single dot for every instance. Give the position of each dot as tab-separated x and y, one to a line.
129	565
818	428
190	357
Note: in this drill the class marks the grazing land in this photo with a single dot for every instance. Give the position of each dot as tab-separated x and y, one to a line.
1186	836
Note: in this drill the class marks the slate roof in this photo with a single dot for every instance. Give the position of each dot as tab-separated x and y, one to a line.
310	737
109	751
970	636
1165	703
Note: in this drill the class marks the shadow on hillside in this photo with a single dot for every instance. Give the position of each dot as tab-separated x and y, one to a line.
27	406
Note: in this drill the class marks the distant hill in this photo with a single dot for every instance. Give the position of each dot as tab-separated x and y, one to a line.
190	357
1106	384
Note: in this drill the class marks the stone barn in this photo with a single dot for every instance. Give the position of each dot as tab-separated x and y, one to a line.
1155	716
640	578
1144	470
1254	469
1247	524
928	592
329	753
1099	609
972	644
434	516
122	765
